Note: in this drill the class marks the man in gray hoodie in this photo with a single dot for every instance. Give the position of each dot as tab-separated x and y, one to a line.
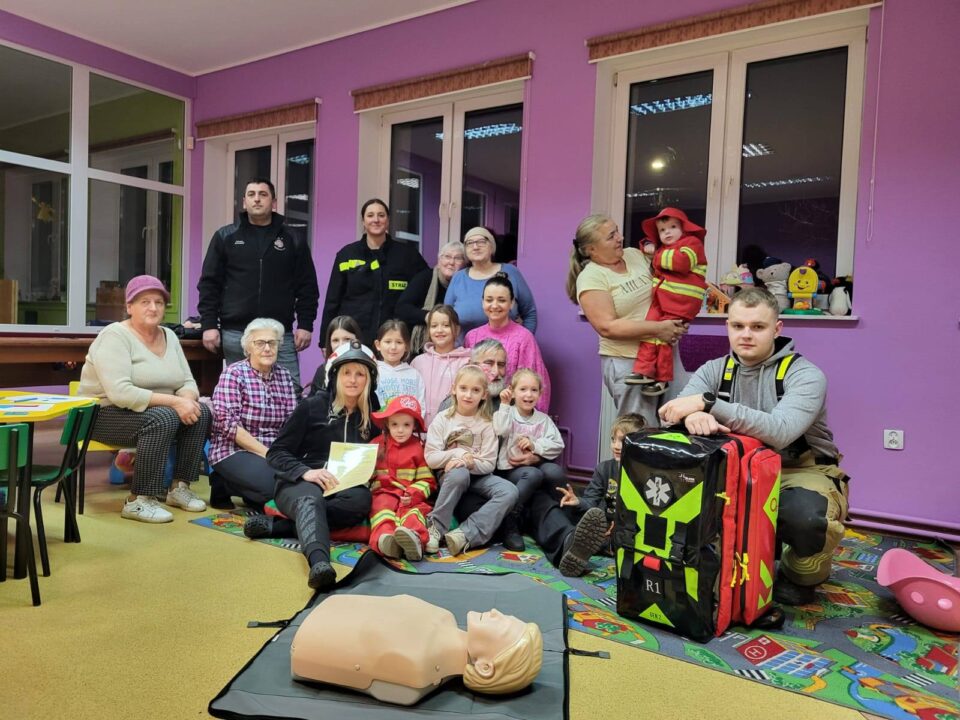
766	390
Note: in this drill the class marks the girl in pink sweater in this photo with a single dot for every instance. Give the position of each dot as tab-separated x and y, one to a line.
441	358
521	346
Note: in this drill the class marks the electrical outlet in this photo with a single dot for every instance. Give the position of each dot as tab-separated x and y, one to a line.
893	439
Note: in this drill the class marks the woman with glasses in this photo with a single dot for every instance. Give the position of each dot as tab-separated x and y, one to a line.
426	290
465	292
251	403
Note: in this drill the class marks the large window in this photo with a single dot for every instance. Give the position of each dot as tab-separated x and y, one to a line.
755	137
91	192
448	167
287	159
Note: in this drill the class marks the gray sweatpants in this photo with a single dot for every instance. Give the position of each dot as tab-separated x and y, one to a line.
628	398
480	526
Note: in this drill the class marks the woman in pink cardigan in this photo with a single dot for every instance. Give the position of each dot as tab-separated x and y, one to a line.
522	349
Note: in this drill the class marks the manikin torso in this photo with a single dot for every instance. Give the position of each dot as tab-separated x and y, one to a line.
397	649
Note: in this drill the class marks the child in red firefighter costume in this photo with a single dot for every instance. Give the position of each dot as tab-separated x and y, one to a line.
679	269
402	482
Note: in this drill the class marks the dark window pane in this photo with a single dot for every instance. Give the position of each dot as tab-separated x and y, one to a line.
250	163
792	150
132	232
34	243
491	174
130	125
298	202
668	147
416	150
35	105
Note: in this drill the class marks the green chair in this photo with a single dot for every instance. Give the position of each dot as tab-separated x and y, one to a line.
75	438
13	458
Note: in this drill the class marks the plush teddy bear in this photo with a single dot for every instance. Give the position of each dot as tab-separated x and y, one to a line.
774	274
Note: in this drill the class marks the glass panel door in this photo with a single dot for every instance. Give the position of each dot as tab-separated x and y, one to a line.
416	181
791	162
296	200
491	174
668	149
250	163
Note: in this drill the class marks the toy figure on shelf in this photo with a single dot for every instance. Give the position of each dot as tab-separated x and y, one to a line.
680	269
399	649
774	275
802	287
716	301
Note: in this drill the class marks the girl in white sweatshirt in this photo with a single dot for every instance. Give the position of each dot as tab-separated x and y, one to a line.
394	376
462	448
530	442
441	357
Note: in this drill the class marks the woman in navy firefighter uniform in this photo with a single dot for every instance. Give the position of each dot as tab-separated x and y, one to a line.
368	276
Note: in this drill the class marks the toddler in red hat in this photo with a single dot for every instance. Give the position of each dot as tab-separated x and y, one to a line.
680	272
402	482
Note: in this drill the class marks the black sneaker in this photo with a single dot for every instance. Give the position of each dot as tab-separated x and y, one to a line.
583	542
787	592
258	526
637	379
322	576
510	533
654	388
219	496
773	619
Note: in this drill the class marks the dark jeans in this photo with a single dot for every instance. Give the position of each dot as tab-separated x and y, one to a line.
342	510
549	525
248	476
529	478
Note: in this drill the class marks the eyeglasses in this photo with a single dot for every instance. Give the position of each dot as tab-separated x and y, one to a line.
475	243
261	344
451	257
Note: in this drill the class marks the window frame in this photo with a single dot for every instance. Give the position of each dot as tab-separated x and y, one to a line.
729	56
79	172
376	127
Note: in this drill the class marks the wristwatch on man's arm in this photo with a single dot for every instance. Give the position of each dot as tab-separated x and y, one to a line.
709	400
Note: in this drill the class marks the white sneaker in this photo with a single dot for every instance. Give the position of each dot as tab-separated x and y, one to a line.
182	496
387	545
409	543
433	542
145	509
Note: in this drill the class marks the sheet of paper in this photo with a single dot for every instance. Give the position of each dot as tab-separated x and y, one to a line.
352	464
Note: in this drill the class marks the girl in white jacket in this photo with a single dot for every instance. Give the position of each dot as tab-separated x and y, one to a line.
530	442
441	358
394	376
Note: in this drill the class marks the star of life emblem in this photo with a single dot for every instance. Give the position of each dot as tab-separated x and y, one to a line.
658	492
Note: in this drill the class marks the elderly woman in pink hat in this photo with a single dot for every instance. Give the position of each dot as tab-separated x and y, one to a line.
149	399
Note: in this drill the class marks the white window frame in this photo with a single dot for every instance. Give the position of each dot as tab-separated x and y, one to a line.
728	56
277	140
80	174
376	127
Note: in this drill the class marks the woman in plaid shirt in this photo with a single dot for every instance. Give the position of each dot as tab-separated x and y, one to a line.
251	403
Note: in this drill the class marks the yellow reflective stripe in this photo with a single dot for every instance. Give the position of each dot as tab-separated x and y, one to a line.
423	473
406	473
398	485
666	260
382	472
351	264
375	265
728	370
416	513
683	289
654	341
422	487
396	285
784	366
382	517
700	270
690	253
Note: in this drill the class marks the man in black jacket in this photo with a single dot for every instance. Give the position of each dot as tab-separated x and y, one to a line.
258	268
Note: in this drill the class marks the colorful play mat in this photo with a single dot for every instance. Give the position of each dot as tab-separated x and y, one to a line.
853	647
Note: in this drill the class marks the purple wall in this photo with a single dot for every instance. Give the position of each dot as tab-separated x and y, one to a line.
877	379
29	34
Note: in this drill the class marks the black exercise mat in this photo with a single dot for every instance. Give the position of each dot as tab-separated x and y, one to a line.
265	689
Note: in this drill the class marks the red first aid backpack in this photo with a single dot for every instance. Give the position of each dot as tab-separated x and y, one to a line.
695	530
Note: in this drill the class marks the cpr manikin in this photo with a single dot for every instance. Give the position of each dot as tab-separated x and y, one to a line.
398	649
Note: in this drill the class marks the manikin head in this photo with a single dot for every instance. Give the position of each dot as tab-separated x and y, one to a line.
504	653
